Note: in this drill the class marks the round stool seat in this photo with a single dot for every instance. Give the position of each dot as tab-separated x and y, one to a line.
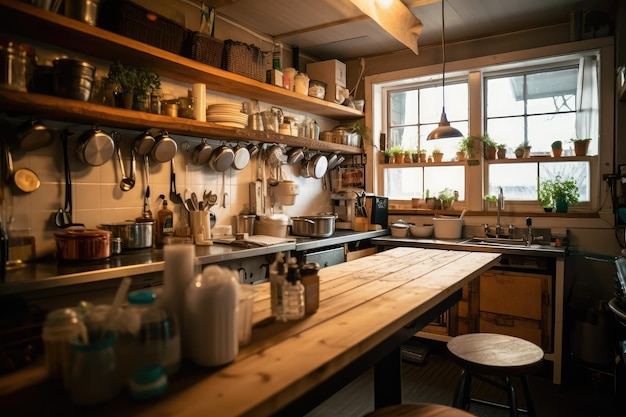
495	354
419	410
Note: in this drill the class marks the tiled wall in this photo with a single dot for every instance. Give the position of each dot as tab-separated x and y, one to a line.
97	197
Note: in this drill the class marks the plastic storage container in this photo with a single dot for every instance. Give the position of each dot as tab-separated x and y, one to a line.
60	327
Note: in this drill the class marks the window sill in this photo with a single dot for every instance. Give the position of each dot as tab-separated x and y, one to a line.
426	212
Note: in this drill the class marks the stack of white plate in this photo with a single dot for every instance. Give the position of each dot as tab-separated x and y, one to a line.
229	115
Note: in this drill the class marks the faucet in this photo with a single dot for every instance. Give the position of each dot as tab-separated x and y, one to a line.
529	231
500	207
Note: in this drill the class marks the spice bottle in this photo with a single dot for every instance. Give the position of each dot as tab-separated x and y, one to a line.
277	281
165	224
293	293
311	282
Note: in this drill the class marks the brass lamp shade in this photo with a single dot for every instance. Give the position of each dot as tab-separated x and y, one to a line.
444	130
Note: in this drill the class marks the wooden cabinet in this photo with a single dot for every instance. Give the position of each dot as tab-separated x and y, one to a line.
504	302
24	20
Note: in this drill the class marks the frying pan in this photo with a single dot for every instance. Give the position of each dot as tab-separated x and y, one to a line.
24	179
221	158
201	153
95	147
143	143
33	134
241	157
164	148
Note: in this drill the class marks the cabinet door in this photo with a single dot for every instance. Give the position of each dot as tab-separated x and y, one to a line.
517	304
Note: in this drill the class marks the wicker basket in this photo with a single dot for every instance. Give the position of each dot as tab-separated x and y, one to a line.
204	48
133	21
244	59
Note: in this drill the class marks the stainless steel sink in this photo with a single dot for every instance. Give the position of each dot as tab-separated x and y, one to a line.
501	242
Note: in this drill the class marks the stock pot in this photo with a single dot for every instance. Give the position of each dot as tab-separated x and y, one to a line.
134	235
83	244
322	225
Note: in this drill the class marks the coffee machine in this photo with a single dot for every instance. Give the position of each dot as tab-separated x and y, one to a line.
349	205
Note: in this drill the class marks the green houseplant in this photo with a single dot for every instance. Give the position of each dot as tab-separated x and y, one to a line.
581	146
128	81
489	146
501	151
437	155
446	196
557	148
472	146
558	193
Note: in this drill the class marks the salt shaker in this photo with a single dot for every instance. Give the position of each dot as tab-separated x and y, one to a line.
211	316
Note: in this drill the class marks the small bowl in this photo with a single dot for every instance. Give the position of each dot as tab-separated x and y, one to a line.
399	231
421	231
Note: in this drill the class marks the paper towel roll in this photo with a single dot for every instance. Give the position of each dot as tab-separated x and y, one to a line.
199	108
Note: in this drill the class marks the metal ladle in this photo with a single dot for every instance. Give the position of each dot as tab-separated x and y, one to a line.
127	183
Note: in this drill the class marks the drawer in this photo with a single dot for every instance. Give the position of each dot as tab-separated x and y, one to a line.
326	257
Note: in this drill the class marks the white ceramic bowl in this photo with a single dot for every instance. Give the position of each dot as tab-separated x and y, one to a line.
399	231
448	228
421	231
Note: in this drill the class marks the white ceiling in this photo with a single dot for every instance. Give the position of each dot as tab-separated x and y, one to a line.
327	29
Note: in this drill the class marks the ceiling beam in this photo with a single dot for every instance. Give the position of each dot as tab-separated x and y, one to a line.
395	18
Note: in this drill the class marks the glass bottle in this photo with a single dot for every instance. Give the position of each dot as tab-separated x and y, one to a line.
277	283
293	293
311	282
164	224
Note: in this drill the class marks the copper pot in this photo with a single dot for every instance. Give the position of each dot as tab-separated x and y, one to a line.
83	244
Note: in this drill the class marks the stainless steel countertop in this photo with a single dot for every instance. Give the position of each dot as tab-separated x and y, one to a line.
466	244
45	274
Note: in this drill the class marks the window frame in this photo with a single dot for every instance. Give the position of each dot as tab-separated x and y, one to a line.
600	165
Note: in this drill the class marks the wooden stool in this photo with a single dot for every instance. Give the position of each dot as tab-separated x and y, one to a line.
488	354
418	410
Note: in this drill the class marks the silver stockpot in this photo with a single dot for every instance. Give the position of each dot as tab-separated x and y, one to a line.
134	235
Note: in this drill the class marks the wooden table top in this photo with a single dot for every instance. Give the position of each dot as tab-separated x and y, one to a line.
362	303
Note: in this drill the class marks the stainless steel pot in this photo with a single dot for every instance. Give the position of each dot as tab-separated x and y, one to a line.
95	147
134	235
241	157
164	148
83	244
33	134
222	158
321	225
201	153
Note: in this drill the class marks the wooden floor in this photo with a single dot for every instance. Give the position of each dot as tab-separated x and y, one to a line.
585	393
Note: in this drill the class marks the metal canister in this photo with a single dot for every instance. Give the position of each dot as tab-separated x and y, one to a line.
116	245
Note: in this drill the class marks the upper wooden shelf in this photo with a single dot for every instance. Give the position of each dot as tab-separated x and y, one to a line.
56	108
47	27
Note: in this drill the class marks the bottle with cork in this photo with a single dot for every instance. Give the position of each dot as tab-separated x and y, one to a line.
164	225
293	292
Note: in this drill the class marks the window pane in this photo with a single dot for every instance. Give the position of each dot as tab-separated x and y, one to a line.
403	137
457	103
518	181
552	91
579	170
508	130
430	104
438	178
502	96
403	107
546	128
403	183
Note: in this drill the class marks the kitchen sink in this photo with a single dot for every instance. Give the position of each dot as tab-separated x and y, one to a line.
501	242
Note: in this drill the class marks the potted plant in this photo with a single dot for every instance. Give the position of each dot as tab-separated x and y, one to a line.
437	155
388	155
122	79
501	151
364	132
581	146
407	156
557	148
558	193
446	197
522	151
490	201
489	147
472	146
431	202
396	155
422	155
147	81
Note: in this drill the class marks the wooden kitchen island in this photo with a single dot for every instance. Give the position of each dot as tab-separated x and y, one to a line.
368	308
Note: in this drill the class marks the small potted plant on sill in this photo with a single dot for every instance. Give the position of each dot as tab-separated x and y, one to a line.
557	148
407	156
489	147
501	151
388	155
490	202
581	146
558	193
437	155
421	153
122	80
396	155
472	146
446	197
148	81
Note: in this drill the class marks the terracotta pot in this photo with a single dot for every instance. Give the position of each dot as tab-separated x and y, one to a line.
460	156
398	159
437	157
556	152
501	153
422	157
581	147
490	153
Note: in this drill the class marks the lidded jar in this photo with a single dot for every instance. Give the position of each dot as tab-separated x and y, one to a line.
60	327
153	338
211	316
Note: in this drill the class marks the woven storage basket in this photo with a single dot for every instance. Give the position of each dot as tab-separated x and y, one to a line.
243	59
204	48
133	21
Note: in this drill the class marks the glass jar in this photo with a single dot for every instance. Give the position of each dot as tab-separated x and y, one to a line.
93	377
60	327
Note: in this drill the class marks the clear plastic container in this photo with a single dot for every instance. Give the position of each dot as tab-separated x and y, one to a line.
60	327
246	304
152	336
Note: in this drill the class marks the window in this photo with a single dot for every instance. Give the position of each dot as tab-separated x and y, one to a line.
532	103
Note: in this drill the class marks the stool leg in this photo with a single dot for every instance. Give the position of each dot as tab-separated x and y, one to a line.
530	404
462	393
511	394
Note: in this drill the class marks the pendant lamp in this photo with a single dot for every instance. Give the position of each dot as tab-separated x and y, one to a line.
444	130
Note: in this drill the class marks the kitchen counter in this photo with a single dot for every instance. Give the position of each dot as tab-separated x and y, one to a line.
44	274
466	243
368	308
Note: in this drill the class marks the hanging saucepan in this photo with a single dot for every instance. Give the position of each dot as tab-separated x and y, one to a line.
332	159
201	153
241	157
95	147
295	155
143	143
221	158
253	149
164	148
24	179
304	169
317	166
33	134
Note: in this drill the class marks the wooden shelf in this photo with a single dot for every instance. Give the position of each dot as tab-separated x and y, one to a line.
58	30
61	109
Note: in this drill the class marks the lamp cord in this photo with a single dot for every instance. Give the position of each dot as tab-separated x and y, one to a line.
443	53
